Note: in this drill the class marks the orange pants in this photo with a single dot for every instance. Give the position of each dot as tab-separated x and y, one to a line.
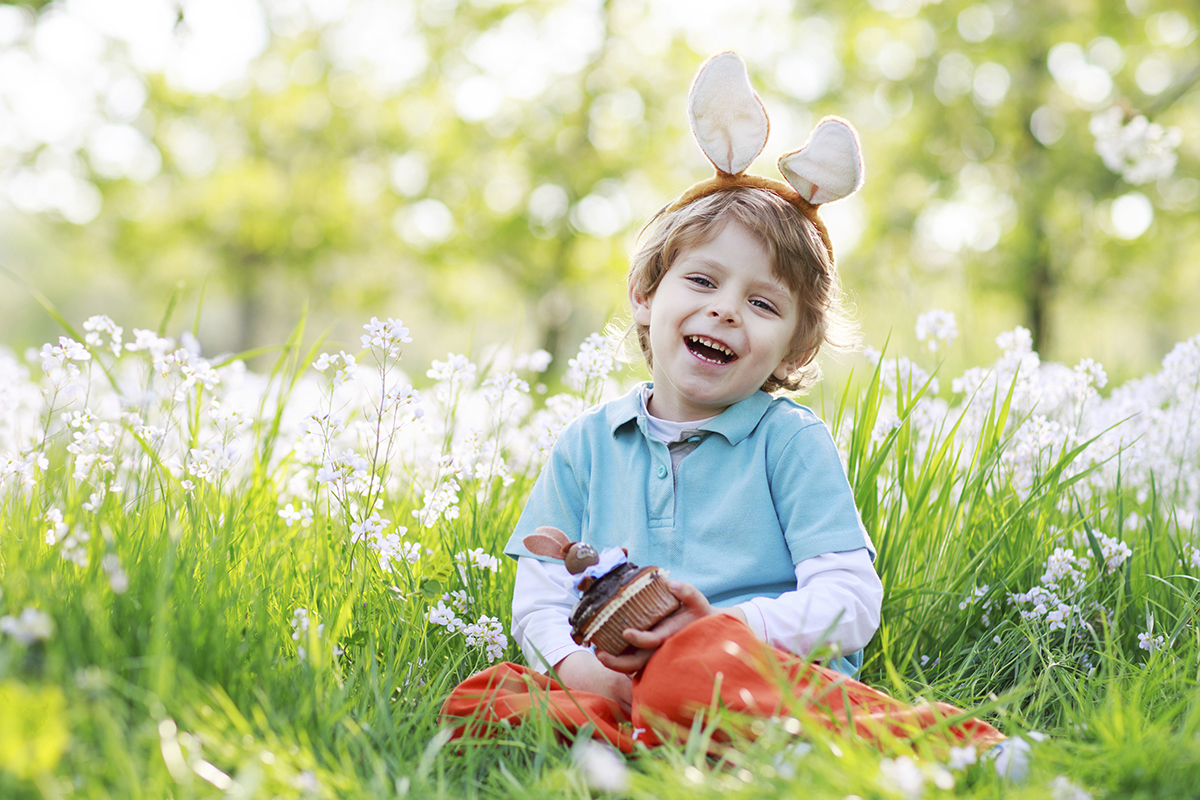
717	659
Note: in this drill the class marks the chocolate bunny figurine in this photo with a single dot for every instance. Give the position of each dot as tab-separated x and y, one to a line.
553	543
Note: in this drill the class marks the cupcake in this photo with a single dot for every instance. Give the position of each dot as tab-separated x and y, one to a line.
615	594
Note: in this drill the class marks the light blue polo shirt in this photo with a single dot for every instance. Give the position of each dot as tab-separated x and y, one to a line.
763	490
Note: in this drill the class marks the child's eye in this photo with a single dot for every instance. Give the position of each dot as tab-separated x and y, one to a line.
700	280
764	305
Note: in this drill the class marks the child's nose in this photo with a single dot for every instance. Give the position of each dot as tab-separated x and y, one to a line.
723	310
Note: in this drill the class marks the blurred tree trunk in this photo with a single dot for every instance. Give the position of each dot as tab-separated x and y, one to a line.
249	302
1035	171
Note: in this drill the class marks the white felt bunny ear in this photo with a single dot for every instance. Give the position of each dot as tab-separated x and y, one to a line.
727	117
829	166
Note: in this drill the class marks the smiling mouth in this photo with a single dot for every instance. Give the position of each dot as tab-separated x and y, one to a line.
709	350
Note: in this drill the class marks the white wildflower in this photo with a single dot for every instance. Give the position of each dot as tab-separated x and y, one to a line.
478	558
1041	604
306	781
440	502
537	361
1151	643
187	370
595	360
903	776
150	342
392	549
546	424
603	768
58	529
503	392
1063	567
301	623
291	515
1013	756
1138	150
455	369
212	462
67	349
444	616
345	365
1091	373
389	545
1061	788
487	633
1115	552
384	338
96	499
346	473
962	757
22	467
397	398
101	324
1017	342
92	446
937	329
31	626
459	600
226	418
118	580
369	528
58	361
74	548
79	419
976	593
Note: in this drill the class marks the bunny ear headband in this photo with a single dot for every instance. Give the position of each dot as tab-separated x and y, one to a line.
730	124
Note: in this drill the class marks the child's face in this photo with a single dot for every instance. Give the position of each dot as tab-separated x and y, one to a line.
720	324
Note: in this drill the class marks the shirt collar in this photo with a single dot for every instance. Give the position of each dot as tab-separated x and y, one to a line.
734	423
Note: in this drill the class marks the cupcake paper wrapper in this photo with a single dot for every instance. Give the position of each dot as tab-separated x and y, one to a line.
640	611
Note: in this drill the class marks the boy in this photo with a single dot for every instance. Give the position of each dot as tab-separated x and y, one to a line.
731	294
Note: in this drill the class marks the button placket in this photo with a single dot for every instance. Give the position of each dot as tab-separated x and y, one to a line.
661	487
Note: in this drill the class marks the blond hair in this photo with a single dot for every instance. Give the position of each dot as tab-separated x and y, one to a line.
798	256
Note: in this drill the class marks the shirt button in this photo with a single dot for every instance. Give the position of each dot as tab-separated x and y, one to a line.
694	439
662	472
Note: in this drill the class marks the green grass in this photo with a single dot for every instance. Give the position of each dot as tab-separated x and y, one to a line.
189	683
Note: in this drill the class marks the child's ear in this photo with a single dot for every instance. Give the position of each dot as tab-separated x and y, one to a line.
791	362
640	306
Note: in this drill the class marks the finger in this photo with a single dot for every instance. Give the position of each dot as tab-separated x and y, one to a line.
628	663
645	640
691	597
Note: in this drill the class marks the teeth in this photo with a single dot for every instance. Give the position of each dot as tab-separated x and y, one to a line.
704	340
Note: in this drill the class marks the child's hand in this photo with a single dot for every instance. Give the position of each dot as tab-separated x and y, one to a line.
582	671
695	606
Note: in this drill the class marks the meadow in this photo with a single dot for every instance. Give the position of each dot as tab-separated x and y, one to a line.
221	582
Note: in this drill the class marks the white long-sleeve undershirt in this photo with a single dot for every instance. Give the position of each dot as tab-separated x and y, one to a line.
836	601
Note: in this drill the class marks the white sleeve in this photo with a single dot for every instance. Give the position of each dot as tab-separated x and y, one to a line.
836	601
542	601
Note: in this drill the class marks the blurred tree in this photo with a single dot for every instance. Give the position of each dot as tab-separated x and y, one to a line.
982	123
472	154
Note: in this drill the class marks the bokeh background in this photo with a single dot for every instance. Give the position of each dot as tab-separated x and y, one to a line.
480	168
